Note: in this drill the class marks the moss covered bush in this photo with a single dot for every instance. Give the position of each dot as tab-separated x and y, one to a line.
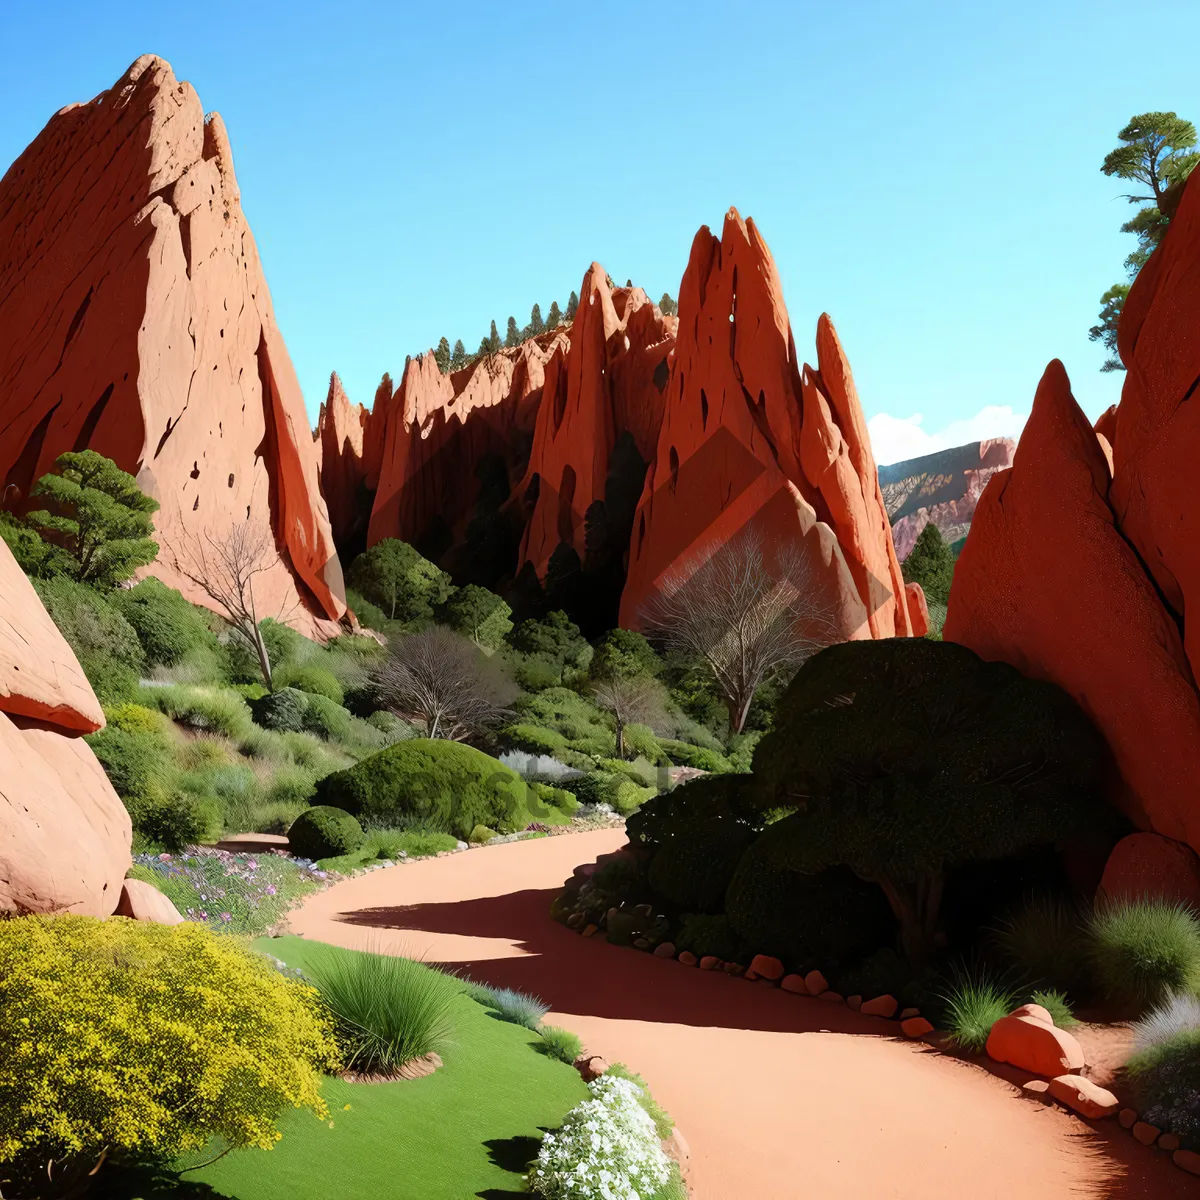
558	710
311	678
1166	1085
1143	951
324	832
451	786
281	710
684	754
167	626
705	933
100	1022
203	709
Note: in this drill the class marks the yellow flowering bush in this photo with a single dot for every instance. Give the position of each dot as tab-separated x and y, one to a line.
143	1041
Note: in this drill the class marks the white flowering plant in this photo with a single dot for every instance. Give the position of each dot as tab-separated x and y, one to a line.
607	1149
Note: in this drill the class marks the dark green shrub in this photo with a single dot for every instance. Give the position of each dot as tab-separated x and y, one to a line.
584	727
806	919
630	796
533	673
705	934
1145	950
137	764
362	699
104	642
282	710
597	787
167	626
1046	943
931	564
641	742
324	832
556	639
686	755
533	739
556	798
399	582
311	679
369	616
1166	1085
909	756
624	654
180	820
451	786
389	724
330	720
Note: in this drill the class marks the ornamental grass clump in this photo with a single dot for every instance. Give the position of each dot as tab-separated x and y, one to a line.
1045	941
560	1044
1143	951
518	1007
607	1149
387	1010
142	1041
973	1004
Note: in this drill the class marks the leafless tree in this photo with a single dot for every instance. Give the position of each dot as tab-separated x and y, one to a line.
224	567
746	612
638	699
446	682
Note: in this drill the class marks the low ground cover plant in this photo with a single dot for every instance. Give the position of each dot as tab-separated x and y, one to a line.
324	832
230	893
1166	1084
972	1004
386	1010
100	1024
560	1044
1144	951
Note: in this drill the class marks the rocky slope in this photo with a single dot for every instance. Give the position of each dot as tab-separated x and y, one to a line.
1086	575
943	488
64	833
138	323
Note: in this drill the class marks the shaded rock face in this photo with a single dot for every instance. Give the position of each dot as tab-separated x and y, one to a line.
752	440
1048	583
138	323
943	488
64	833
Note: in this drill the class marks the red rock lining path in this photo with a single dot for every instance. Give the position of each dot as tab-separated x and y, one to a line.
775	1096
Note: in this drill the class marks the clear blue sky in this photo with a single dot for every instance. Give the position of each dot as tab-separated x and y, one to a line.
926	172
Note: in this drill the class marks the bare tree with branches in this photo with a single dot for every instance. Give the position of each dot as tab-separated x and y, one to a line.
224	567
447	683
746	612
636	699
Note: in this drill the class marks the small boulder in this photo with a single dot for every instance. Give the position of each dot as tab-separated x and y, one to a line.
1188	1160
794	983
142	901
1168	1142
816	983
1034	1045
590	931
1085	1097
590	1066
665	950
905	1013
710	962
1146	1133
916	1027
735	969
1127	1117
688	958
1036	1011
854	1003
831	997
767	967
1038	1089
880	1006
1150	865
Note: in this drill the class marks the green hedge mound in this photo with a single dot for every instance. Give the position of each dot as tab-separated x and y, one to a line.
324	832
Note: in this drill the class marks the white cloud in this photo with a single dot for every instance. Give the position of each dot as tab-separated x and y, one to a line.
894	439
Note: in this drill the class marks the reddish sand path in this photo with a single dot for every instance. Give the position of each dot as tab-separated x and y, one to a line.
779	1096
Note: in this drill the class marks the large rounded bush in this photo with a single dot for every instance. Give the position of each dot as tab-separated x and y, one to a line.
146	1040
282	710
822	920
452	786
167	626
324	832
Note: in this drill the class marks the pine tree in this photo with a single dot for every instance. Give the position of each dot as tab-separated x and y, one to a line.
485	345
493	339
555	317
572	306
536	324
667	306
931	564
513	335
458	358
441	356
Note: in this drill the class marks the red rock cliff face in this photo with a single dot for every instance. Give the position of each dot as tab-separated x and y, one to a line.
138	323
1088	578
64	833
752	439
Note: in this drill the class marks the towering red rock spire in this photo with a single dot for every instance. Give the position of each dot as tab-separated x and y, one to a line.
137	322
749	439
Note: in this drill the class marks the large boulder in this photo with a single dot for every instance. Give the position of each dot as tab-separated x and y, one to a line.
1048	583
1150	865
138	323
141	901
1032	1044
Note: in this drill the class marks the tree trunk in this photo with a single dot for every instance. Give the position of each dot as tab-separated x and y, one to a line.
620	739
739	710
264	657
916	907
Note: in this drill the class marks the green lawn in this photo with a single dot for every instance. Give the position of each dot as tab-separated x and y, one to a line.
467	1130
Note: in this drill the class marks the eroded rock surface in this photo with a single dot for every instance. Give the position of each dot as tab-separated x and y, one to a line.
137	322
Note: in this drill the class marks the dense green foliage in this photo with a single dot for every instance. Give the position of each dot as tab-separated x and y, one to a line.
324	832
557	641
972	1005
97	522
931	564
1045	940
452	786
1143	952
402	584
560	1044
1166	1084
282	710
167	626
478	614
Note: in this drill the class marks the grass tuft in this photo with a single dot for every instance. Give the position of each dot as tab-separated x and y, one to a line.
1045	941
973	1004
1055	1003
518	1007
1179	1014
1144	951
560	1044
387	1010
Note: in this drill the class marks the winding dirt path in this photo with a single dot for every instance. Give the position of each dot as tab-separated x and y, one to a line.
779	1096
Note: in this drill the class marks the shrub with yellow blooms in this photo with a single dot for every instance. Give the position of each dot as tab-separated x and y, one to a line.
141	1042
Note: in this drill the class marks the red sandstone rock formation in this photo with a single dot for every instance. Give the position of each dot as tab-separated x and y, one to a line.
608	380
1046	582
137	322
64	833
943	488
1148	864
749	439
